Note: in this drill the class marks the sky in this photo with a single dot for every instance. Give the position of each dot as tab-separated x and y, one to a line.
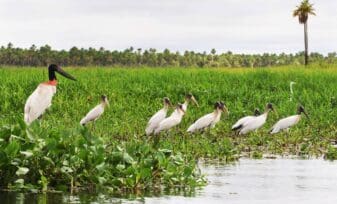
241	26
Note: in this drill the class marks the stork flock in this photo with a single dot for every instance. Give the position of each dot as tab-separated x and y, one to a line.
41	99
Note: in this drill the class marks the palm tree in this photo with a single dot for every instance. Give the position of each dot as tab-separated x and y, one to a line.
302	12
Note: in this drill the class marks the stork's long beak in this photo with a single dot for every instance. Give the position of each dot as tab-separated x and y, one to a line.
107	102
65	74
195	101
306	115
276	113
225	110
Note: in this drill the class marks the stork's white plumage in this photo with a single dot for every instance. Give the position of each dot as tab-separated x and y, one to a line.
242	121
257	122
174	119
209	120
288	122
41	98
157	117
96	112
38	102
189	97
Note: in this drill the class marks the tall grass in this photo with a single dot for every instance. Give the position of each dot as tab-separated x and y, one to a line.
136	94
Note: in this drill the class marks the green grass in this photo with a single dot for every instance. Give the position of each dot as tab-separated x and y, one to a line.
136	94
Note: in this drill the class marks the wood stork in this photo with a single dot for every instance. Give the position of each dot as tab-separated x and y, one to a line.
96	112
158	117
189	97
238	125
174	120
256	122
291	90
209	120
288	122
41	98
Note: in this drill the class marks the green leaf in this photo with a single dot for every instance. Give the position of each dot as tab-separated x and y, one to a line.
101	180
27	153
188	171
66	169
127	158
22	171
20	181
120	167
100	167
12	149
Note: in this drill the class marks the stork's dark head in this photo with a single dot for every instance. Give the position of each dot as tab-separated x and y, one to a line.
270	107
257	112
219	105
223	107
167	101
216	105
301	110
55	68
104	99
180	108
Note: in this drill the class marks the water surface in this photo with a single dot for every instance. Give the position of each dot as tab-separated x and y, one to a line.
247	181
266	181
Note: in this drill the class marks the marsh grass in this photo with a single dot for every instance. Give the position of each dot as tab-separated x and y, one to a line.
136	94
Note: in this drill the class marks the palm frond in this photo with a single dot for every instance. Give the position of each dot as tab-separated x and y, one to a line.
303	11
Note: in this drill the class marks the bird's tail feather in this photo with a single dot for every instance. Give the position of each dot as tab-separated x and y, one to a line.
234	128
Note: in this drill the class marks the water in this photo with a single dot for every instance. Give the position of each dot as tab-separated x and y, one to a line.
266	181
254	181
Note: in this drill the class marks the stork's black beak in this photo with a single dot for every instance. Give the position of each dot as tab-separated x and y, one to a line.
305	113
65	74
195	101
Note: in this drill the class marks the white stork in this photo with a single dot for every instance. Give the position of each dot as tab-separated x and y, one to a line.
96	112
158	117
238	125
174	120
41	98
288	122
209	120
257	122
189	97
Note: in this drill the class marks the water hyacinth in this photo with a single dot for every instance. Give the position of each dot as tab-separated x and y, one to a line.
78	160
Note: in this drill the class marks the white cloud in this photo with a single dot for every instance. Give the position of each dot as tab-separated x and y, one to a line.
238	25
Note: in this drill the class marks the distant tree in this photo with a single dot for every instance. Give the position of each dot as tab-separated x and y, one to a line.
302	12
213	52
130	57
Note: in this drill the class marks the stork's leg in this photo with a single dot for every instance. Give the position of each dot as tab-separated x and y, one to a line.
185	146
156	139
202	131
287	137
93	125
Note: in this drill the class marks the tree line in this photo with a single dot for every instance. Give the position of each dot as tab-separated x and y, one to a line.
44	55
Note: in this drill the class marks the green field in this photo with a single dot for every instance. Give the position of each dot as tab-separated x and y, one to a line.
136	94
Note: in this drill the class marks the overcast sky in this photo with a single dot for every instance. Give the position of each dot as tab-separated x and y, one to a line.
242	26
